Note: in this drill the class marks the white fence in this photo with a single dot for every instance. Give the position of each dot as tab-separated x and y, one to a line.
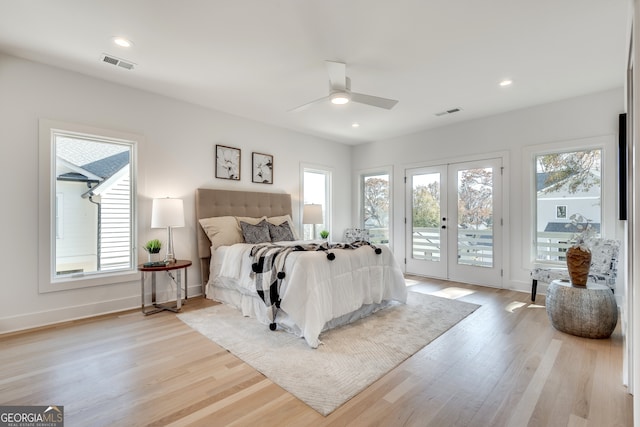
475	247
552	246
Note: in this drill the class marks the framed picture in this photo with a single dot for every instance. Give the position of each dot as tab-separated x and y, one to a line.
262	170
227	162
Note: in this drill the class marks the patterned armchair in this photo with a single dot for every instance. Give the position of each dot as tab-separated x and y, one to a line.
356	234
604	266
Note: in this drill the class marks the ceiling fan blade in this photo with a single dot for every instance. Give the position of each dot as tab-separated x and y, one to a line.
308	104
375	101
337	75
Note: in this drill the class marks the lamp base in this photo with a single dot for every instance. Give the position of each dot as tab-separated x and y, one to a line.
170	257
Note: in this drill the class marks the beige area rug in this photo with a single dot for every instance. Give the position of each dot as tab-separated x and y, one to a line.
351	357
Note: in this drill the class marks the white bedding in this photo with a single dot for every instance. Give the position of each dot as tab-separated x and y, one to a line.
316	293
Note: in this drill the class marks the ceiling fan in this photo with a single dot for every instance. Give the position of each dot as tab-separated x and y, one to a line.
340	90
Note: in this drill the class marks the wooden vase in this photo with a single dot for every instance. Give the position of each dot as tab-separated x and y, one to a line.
578	264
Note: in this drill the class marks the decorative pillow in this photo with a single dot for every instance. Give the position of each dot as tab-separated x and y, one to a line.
280	233
258	233
278	220
222	230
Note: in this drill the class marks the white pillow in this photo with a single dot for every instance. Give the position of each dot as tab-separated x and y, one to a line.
222	230
277	220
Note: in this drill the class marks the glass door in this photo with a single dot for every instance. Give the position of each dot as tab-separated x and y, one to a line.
454	222
426	223
476	217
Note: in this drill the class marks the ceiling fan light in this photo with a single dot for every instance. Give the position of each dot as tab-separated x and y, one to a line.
340	98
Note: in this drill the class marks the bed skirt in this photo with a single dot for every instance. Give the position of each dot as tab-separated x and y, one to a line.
253	306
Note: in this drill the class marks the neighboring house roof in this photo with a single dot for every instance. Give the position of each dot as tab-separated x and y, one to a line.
542	182
567	227
98	160
106	167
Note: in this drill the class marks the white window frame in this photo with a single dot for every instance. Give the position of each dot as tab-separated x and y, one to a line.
47	282
328	173
384	170
606	143
59	209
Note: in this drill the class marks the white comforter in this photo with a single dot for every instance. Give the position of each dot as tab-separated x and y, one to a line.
316	290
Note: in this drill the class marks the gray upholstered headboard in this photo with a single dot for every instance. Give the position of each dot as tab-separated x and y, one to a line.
211	202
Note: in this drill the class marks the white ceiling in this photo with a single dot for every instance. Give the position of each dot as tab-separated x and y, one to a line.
261	58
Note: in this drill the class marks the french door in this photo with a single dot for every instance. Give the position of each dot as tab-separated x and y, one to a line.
454	222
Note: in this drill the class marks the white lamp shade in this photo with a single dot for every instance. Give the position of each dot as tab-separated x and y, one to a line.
312	214
167	213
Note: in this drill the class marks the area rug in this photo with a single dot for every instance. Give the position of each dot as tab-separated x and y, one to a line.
351	357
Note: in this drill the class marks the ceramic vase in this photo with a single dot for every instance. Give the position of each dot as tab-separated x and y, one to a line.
578	264
153	256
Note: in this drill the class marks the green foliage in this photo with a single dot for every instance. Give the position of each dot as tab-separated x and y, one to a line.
426	205
475	198
153	246
324	234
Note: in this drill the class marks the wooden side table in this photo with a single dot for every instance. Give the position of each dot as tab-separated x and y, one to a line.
179	265
589	312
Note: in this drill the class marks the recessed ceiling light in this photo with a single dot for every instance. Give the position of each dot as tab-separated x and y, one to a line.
355	125
506	83
122	42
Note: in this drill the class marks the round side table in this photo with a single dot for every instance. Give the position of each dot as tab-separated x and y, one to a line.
589	312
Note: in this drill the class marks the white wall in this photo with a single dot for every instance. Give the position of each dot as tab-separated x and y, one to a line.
176	157
506	134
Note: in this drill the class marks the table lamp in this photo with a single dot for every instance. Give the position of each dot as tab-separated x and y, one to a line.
167	213
312	214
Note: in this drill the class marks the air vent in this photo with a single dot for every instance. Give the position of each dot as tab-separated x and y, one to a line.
118	62
451	111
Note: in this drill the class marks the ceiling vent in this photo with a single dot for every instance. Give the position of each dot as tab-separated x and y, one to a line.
118	62
451	111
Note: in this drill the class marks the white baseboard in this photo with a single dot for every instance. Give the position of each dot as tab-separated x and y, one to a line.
65	314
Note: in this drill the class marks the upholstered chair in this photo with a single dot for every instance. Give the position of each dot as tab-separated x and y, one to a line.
604	266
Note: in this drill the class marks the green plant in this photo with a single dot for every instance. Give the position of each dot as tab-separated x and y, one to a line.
324	234
153	246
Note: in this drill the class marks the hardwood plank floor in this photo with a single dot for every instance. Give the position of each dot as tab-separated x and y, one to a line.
504	365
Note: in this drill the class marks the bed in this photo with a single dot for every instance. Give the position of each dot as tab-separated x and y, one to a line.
318	290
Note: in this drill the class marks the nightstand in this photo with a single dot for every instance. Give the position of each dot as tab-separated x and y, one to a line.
179	265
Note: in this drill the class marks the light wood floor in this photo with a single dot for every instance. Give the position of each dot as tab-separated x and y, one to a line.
504	365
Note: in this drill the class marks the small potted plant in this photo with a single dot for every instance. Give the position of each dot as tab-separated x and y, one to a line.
324	234
579	254
153	247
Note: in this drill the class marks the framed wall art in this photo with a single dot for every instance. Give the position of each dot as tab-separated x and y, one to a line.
227	162
262	168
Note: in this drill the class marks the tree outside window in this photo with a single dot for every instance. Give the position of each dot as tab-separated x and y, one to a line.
375	206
